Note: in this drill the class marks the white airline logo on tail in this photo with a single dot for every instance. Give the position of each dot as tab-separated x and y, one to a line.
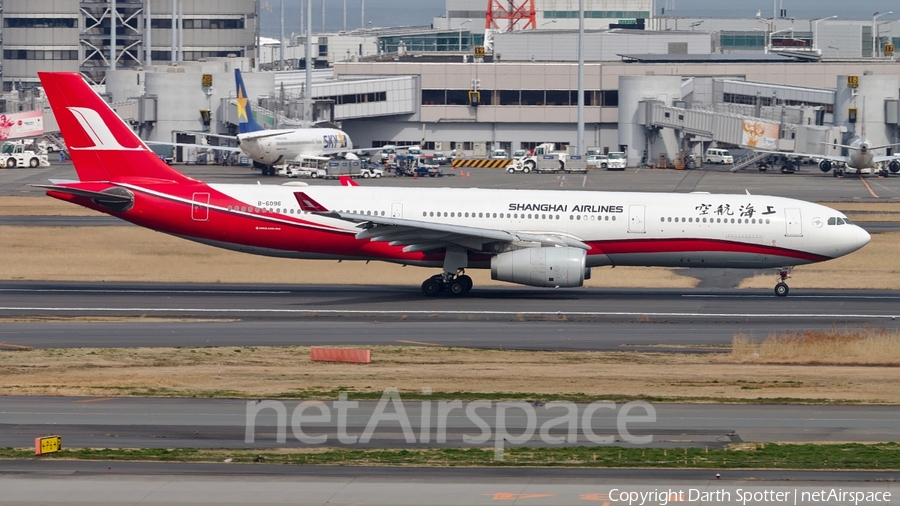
96	128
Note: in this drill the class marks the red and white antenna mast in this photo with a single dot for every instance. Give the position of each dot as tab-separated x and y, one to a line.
518	15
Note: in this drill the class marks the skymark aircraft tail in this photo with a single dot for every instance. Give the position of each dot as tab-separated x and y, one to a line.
102	147
246	122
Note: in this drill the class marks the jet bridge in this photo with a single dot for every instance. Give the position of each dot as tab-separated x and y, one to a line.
710	126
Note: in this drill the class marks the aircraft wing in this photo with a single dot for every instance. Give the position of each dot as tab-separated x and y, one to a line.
879	159
261	134
198	146
415	235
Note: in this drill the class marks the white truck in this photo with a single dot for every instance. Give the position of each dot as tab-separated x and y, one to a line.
614	160
15	155
310	166
528	163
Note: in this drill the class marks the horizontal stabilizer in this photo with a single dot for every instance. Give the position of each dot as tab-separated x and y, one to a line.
121	195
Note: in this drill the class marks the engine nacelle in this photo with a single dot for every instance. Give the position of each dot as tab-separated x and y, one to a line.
544	267
894	166
825	165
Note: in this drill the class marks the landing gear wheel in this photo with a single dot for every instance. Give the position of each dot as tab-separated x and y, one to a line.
466	281
431	287
457	287
781	289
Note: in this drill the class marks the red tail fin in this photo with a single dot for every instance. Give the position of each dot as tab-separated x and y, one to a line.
308	204
347	181
102	146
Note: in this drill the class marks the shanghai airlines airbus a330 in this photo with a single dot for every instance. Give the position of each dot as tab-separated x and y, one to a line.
535	238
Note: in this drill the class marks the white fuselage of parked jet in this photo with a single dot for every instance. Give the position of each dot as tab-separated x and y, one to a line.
274	147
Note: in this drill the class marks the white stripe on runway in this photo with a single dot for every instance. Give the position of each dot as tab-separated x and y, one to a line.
79	290
439	312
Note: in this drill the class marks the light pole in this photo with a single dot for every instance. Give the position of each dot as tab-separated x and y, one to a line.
770	26
580	117
460	34
362	51
815	31
875	17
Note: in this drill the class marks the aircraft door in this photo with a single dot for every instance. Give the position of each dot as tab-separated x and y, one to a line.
636	219
396	209
200	207
792	221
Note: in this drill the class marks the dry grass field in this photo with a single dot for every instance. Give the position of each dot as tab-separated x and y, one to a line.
777	370
854	346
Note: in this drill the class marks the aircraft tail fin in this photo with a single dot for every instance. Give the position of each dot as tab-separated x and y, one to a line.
101	145
347	181
246	122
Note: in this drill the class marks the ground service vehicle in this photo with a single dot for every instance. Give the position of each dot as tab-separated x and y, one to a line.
426	165
721	156
15	155
615	160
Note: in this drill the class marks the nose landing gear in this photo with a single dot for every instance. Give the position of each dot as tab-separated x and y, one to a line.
781	289
455	285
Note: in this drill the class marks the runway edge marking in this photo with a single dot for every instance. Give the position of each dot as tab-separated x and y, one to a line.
444	312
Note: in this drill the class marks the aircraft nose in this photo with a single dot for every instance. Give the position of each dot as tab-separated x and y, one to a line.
862	237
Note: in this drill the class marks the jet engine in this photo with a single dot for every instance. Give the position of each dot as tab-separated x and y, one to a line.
894	166
825	165
544	267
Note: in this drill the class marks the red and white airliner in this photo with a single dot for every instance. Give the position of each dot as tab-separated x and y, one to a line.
530	237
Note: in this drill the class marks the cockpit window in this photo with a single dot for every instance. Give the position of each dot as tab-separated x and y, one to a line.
847	221
832	221
839	221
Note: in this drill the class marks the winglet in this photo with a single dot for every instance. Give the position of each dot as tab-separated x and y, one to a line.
347	181
308	204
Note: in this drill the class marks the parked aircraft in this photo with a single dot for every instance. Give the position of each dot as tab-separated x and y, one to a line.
860	155
272	147
267	148
530	237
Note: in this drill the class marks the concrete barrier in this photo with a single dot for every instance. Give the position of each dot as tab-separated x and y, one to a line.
340	355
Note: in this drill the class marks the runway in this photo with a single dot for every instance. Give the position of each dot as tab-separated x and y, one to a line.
130	483
513	318
130	422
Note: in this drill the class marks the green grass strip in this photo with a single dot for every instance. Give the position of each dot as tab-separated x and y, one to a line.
881	456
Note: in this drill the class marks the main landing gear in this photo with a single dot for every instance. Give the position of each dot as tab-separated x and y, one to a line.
455	285
781	289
